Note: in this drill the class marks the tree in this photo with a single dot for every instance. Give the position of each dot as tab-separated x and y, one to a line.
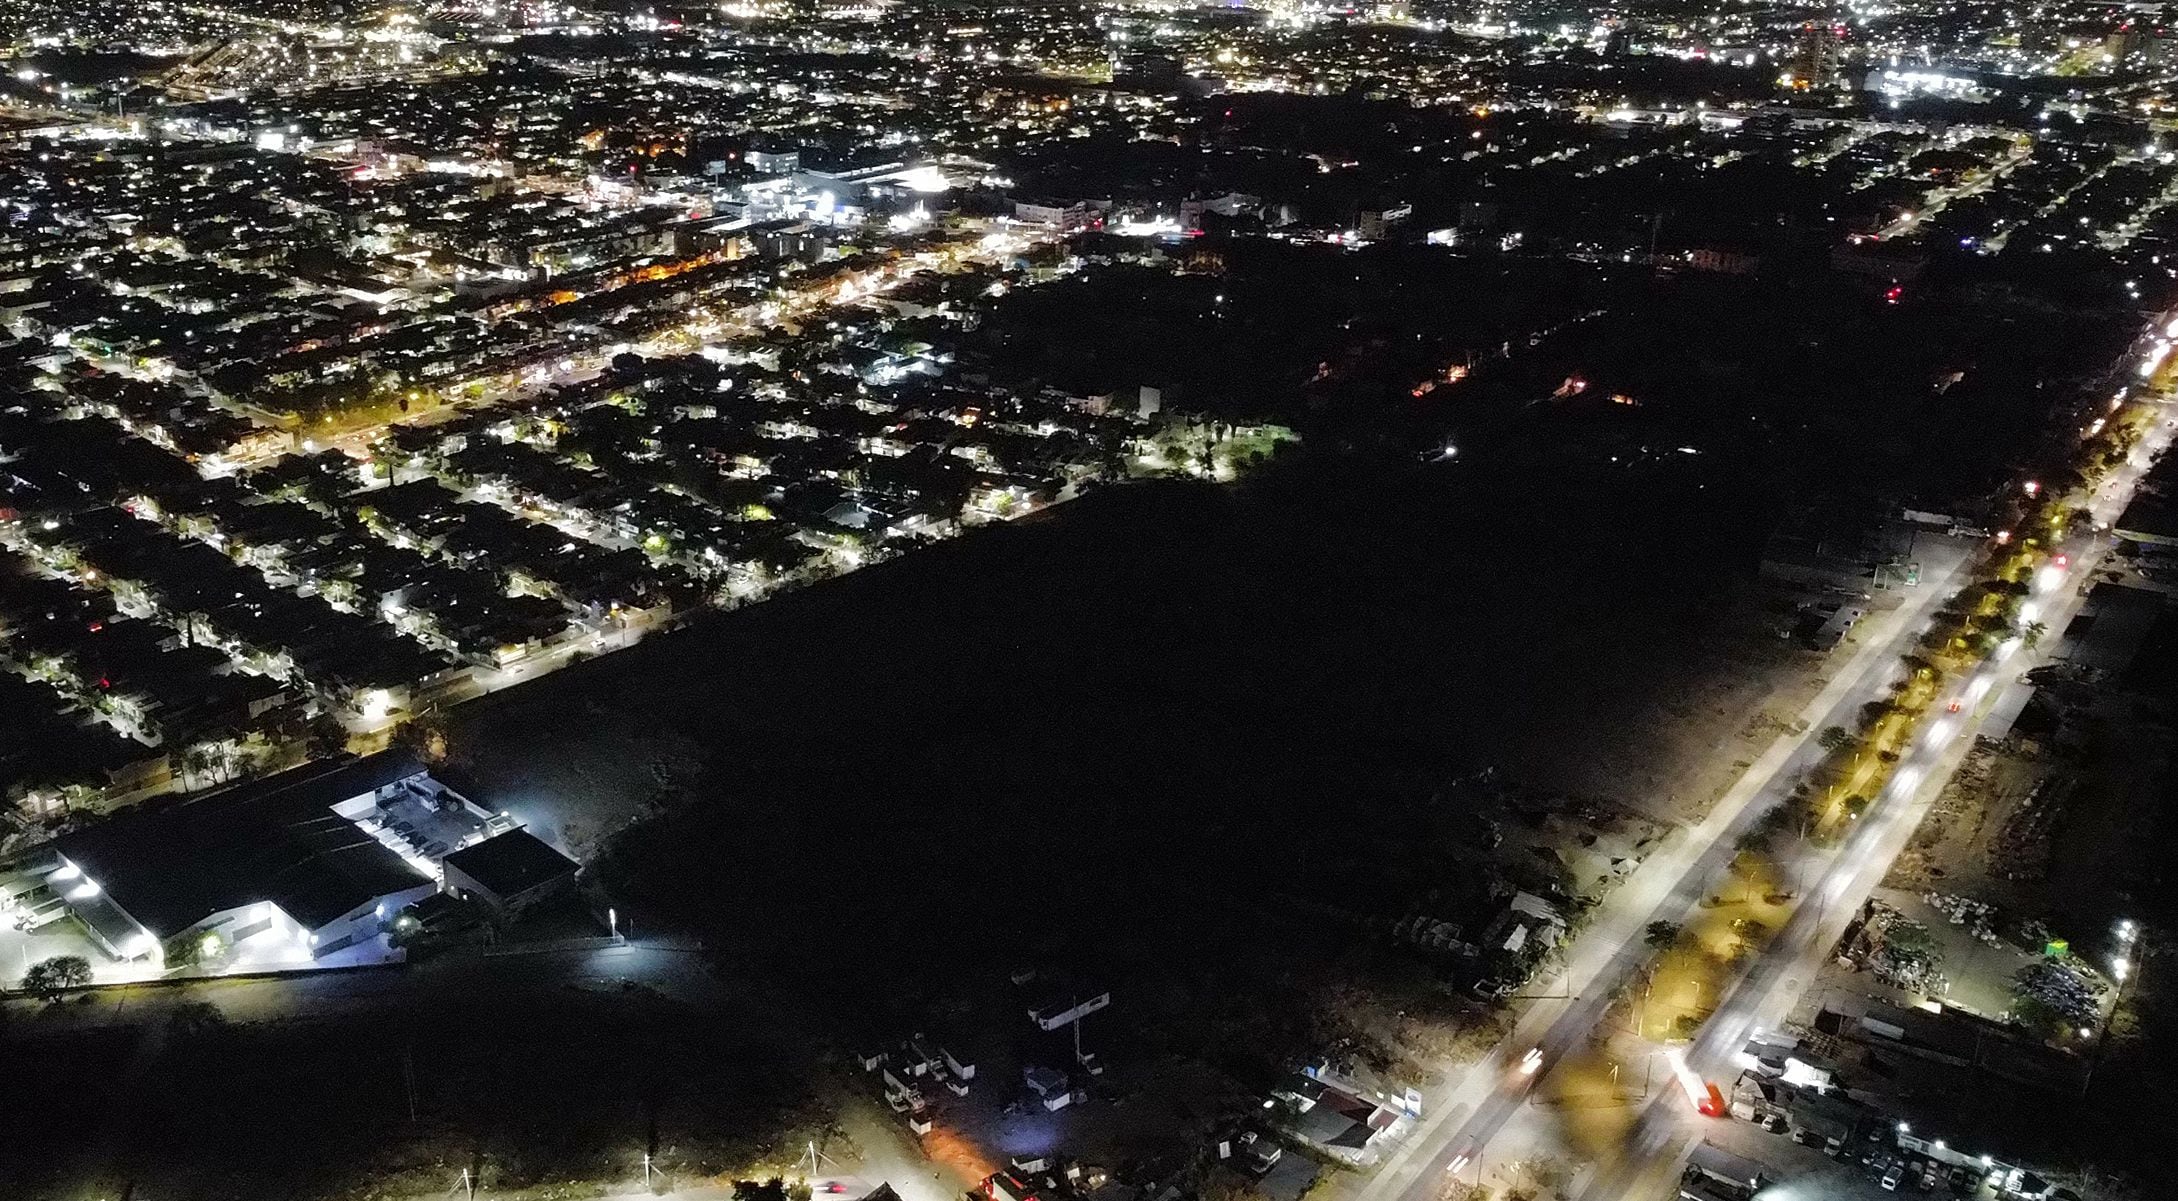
2034	633
1909	956
325	736
1834	738
48	979
1661	934
773	1189
425	734
195	763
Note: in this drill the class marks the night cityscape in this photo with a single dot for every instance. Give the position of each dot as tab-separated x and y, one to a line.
1087	600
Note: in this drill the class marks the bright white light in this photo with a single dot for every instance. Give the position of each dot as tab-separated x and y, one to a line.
2048	577
84	891
1151	228
1696	1090
68	871
925	179
1801	1074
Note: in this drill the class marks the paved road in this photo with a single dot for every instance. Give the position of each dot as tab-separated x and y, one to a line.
679	974
1665	888
1779	976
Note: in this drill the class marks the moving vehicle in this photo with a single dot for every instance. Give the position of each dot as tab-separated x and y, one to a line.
1462	1156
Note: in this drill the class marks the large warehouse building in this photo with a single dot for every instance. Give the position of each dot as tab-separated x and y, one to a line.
296	866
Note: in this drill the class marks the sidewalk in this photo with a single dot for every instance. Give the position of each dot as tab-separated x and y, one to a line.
1620	918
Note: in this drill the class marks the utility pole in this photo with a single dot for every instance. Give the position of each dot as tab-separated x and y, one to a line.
816	1160
408	1076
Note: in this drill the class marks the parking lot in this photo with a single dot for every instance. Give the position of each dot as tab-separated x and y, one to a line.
422	830
19	948
1809	1173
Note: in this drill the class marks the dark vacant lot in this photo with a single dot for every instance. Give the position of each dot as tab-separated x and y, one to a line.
528	1092
1145	733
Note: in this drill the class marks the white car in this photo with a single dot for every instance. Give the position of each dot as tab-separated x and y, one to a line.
1462	1156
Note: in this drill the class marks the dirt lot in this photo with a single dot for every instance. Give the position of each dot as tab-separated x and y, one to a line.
2049	830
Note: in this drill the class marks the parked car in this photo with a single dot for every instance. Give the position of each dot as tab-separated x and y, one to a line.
1891	1176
